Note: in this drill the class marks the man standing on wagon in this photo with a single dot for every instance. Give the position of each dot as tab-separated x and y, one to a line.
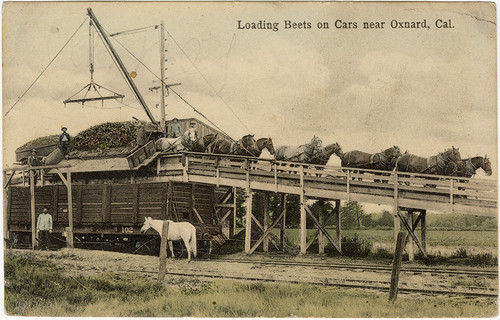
175	128
64	140
43	228
190	136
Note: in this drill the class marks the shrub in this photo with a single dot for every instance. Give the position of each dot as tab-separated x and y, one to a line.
460	253
354	247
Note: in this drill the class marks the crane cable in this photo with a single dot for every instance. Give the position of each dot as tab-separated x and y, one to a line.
178	95
170	88
209	84
43	71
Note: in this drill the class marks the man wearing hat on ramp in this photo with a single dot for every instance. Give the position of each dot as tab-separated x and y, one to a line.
43	228
64	140
190	136
175	128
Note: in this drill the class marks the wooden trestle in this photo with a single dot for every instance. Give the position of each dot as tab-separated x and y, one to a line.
408	193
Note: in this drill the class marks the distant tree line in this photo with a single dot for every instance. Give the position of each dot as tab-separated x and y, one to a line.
354	216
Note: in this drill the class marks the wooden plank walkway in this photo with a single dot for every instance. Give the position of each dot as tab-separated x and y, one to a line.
417	191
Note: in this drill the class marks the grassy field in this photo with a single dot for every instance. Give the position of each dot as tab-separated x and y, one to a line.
36	288
434	237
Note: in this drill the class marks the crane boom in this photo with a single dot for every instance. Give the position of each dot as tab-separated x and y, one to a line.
121	65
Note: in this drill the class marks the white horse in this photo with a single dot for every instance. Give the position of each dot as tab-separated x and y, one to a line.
172	145
302	153
176	231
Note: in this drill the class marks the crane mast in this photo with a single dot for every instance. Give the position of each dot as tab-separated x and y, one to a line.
120	64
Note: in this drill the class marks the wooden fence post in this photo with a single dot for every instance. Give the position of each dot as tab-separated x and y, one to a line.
396	266
163	252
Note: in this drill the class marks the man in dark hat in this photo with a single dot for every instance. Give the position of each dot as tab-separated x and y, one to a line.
34	159
43	228
64	140
175	128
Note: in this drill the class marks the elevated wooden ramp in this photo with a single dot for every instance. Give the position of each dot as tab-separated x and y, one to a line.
417	191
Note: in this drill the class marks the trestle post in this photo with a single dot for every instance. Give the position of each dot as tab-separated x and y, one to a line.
283	222
410	246
339	223
248	220
303	220
321	218
233	231
32	207
265	206
423	230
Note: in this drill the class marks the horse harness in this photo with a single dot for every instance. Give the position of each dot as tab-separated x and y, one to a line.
470	169
382	159
310	154
441	163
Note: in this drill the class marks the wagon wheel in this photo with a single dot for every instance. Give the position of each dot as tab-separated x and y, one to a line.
179	249
204	247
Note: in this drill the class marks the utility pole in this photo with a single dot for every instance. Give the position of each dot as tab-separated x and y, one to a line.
162	75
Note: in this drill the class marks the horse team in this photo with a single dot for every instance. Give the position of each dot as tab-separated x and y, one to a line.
448	162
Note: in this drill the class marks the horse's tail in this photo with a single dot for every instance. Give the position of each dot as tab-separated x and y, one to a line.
193	241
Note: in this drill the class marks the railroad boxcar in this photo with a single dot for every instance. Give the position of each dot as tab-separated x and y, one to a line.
111	196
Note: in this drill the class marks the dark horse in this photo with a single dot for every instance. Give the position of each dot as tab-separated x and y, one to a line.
246	146
384	160
265	143
467	167
202	143
323	157
445	163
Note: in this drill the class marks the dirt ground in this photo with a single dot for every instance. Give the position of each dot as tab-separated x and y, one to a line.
83	262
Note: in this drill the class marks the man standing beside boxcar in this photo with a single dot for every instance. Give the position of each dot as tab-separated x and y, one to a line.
43	228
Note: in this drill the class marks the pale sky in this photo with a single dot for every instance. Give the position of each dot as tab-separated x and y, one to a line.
423	90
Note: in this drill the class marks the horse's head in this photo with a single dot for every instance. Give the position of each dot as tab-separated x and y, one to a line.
486	165
452	155
209	138
269	146
147	224
250	144
315	143
396	152
333	148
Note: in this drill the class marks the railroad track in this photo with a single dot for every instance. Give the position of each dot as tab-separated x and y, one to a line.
369	267
381	286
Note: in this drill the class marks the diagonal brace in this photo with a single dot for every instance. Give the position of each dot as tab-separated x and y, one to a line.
9	179
262	230
411	233
325	233
268	231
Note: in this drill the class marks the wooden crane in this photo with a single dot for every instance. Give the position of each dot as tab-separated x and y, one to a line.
92	85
